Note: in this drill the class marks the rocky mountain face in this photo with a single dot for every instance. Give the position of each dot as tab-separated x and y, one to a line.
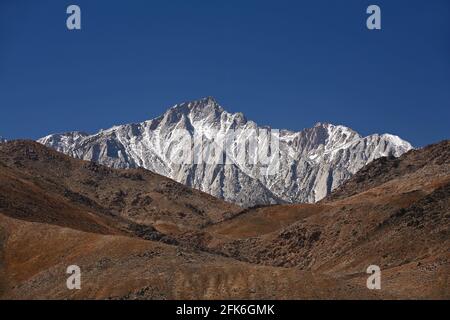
285	167
432	162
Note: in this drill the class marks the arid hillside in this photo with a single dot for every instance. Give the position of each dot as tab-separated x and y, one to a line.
395	213
42	185
138	235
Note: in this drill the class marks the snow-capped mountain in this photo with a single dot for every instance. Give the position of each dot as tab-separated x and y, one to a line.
303	166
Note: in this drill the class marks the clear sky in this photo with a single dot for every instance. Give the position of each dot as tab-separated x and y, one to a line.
288	64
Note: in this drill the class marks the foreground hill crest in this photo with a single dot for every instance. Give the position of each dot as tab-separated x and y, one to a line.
313	162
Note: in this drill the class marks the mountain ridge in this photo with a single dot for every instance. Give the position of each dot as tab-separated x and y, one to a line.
312	162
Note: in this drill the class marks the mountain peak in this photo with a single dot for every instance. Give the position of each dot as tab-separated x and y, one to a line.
206	103
204	106
209	100
199	103
313	163
322	124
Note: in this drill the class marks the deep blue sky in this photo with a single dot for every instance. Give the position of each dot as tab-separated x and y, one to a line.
288	64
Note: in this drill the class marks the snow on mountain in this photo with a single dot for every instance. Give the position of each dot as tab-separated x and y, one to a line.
305	166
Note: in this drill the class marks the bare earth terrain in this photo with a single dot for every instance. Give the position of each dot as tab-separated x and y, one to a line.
138	235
